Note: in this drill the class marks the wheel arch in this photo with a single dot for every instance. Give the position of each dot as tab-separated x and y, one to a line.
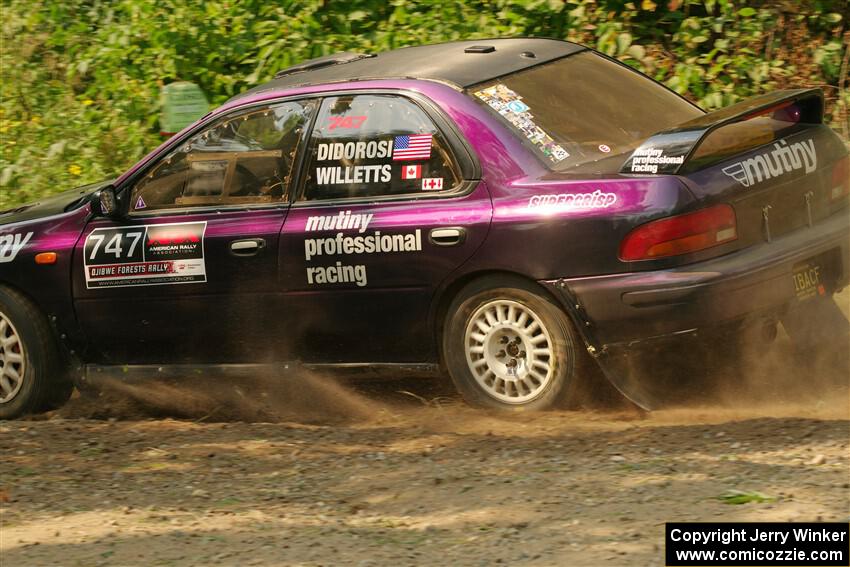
53	323
450	291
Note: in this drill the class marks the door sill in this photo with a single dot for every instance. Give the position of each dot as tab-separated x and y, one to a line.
95	373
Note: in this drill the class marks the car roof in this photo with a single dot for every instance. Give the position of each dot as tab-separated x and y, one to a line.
459	63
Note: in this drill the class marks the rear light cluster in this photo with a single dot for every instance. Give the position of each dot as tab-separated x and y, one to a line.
840	179
681	234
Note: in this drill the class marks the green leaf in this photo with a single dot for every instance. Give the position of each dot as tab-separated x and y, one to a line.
747	12
738	497
637	52
624	40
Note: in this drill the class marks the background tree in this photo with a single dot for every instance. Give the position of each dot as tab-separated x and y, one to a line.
79	81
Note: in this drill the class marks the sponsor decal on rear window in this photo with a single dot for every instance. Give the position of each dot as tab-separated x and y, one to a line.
154	254
782	159
647	160
510	106
11	244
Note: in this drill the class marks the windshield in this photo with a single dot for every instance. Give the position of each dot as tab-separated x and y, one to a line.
584	112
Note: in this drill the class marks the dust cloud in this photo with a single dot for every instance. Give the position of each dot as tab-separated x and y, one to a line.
746	374
726	376
298	396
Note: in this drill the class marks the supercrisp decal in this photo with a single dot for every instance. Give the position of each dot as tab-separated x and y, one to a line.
596	200
11	244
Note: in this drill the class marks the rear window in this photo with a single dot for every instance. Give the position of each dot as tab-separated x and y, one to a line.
584	112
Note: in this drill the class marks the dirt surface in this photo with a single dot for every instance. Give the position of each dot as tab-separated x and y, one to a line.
406	474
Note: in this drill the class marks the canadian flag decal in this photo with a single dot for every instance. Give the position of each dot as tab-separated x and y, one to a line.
432	184
411	171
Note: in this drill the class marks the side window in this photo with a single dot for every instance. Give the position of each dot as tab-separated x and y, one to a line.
245	158
375	145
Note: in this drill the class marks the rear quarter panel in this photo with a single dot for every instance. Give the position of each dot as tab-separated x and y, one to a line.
537	229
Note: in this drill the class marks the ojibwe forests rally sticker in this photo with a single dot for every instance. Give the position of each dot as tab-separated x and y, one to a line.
154	254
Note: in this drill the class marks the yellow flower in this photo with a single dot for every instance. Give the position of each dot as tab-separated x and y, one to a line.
35	119
88	102
648	5
75	169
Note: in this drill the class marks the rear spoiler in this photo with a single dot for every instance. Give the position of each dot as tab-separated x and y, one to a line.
673	151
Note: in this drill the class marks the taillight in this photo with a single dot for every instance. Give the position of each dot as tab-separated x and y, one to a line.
681	234
840	186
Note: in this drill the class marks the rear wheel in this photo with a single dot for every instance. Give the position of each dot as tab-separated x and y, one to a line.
508	346
30	366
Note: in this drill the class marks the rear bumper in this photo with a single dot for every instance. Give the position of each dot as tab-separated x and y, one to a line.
626	308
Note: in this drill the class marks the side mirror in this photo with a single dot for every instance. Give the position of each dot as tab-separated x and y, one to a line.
106	202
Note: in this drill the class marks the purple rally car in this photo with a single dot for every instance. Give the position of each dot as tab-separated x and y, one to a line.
497	209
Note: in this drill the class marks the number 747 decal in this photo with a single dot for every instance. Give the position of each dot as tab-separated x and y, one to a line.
345	122
153	254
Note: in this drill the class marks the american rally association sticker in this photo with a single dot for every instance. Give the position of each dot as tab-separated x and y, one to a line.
154	254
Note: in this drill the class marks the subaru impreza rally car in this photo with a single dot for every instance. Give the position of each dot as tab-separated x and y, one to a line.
497	209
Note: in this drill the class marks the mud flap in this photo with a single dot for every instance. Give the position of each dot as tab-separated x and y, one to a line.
617	365
628	380
816	323
655	373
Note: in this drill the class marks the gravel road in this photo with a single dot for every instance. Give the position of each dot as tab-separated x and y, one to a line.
406	474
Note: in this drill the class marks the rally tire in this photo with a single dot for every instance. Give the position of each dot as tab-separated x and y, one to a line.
58	393
508	346
33	358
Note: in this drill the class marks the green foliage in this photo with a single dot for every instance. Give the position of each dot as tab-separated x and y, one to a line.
80	80
737	497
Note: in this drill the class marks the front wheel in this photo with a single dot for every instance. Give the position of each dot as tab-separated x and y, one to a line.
30	367
508	346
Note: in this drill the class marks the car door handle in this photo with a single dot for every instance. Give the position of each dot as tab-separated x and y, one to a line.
447	236
247	247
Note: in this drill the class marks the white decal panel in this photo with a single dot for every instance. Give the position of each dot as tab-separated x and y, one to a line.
154	254
647	160
782	159
358	243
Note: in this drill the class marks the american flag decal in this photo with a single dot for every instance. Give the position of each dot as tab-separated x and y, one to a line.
417	146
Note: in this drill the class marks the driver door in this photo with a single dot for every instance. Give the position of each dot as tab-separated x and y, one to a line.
191	274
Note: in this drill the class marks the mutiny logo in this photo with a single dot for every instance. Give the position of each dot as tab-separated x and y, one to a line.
11	244
784	158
